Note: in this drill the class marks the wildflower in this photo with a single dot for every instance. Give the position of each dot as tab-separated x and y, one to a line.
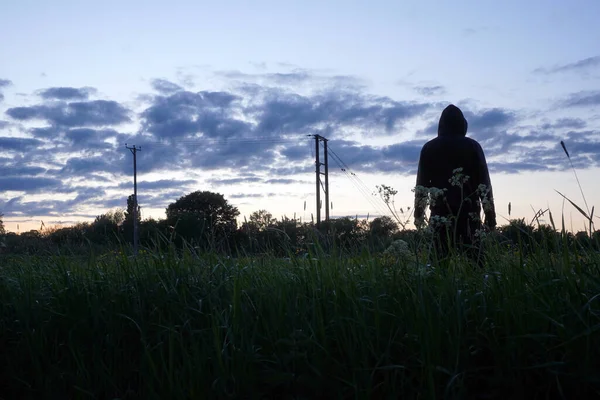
480	233
474	216
458	178
438	221
398	248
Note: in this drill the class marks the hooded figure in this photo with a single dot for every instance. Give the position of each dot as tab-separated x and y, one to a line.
455	164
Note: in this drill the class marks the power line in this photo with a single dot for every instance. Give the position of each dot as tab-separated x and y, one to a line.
362	190
356	176
359	184
221	141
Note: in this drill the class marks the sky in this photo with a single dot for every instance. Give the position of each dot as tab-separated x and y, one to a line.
223	96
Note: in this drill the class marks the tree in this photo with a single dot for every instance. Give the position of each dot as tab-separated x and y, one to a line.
262	219
383	227
347	231
130	209
127	227
2	230
202	212
106	226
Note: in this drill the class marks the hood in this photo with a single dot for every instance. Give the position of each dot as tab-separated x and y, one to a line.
452	122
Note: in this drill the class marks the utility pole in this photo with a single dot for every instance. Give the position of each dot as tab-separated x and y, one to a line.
318	180
134	151
318	173
326	164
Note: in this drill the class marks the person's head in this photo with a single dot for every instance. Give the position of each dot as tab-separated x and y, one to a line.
452	122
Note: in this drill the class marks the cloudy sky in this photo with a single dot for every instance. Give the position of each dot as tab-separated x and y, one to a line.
222	95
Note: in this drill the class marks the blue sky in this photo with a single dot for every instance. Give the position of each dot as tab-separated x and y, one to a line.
79	79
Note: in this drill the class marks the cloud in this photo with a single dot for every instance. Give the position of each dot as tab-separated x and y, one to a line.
19	144
159	200
254	180
510	148
252	195
81	166
75	114
91	137
203	114
295	78
430	90
400	158
8	168
580	65
27	184
285	181
482	124
562	123
285	112
161	184
234	181
66	93
489	119
17	206
3	83
252	134
516	167
165	87
588	98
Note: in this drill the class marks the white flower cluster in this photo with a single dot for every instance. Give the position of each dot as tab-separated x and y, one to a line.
484	191
475	217
480	233
398	248
437	221
458	178
428	196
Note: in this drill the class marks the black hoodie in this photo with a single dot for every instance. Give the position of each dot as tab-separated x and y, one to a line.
450	150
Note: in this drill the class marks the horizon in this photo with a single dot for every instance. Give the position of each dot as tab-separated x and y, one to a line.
231	114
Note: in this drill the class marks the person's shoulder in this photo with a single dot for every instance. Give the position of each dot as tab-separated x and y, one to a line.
472	141
431	142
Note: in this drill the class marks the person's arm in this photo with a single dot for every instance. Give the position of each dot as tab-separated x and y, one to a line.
487	196
420	197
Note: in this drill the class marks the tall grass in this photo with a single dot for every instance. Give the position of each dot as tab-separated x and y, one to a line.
178	325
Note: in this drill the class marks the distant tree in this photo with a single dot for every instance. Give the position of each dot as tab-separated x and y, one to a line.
2	230
383	227
35	234
127	225
595	239
347	231
202	213
262	219
583	239
130	209
30	242
71	235
106	226
115	217
150	231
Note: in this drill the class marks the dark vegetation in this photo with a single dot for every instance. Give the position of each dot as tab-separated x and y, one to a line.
207	222
280	309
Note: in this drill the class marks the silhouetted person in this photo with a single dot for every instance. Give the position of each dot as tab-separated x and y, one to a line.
458	211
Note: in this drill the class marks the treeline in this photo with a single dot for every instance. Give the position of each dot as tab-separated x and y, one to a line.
207	222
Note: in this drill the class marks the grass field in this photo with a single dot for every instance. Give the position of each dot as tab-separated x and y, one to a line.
171	325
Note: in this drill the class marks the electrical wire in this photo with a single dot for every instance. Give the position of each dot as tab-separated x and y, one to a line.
380	204
343	167
220	141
